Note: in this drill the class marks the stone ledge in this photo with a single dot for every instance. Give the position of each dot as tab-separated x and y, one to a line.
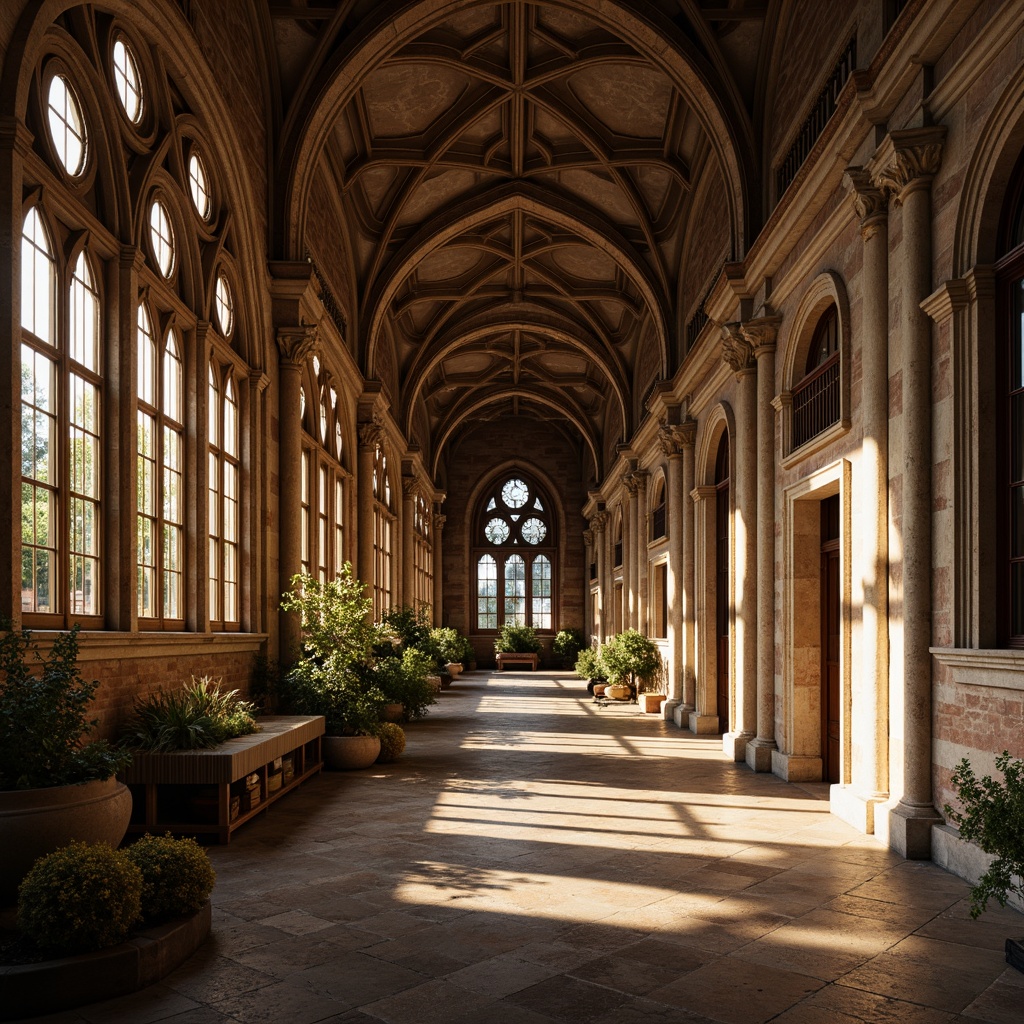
983	667
30	990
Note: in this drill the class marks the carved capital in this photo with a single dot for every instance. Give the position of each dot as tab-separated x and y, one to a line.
908	160
439	521
598	521
668	442
588	538
371	434
760	334
736	350
686	433
299	343
258	382
631	483
870	202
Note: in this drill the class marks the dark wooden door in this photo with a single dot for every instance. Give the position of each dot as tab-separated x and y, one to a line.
722	581
830	626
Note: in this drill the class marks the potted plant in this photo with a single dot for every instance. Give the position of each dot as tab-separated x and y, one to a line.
450	646
404	682
54	788
629	658
589	667
993	818
567	645
328	675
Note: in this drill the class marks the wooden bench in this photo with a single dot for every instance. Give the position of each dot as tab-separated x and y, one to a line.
507	658
192	792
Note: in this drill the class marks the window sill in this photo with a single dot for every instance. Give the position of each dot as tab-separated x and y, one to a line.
816	443
102	645
1002	669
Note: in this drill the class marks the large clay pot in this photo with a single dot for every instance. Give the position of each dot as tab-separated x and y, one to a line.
393	712
350	752
617	691
454	668
34	822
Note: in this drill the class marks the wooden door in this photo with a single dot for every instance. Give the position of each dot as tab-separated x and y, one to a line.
830	631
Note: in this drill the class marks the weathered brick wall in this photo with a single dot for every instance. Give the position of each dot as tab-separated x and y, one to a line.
536	447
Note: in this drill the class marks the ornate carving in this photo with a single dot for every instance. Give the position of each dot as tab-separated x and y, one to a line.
598	521
588	538
908	161
668	442
631	484
736	350
760	334
371	434
299	343
686	433
870	202
439	521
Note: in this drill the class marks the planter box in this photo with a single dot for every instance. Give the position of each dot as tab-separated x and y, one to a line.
650	703
505	658
194	791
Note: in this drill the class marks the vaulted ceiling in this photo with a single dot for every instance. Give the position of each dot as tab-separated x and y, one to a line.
514	184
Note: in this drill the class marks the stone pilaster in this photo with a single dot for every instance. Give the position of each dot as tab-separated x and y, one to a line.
739	355
598	524
704	719
436	551
253	568
686	438
904	166
371	437
630	552
674	500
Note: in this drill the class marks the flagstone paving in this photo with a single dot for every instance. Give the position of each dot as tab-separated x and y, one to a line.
534	858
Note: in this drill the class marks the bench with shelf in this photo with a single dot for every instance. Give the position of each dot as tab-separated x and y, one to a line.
508	658
213	792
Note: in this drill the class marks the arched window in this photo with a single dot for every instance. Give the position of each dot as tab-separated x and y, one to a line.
515	556
422	553
816	398
61	436
223	511
1010	412
383	535
657	514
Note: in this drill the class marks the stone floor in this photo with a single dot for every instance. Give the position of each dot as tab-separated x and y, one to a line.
534	858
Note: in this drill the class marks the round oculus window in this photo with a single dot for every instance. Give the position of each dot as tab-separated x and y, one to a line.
496	531
67	127
515	493
161	237
534	530
127	82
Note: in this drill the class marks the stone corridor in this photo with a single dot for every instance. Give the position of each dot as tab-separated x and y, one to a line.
535	858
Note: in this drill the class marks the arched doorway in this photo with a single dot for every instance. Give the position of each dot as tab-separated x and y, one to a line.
722	580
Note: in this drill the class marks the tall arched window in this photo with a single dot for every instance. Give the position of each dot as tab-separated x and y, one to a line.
383	535
422	553
514	554
61	437
223	511
816	399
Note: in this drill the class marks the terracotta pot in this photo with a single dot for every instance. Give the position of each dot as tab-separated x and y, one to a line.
454	668
435	683
347	753
617	691
34	822
599	689
394	712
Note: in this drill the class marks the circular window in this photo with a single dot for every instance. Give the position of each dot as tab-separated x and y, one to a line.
534	531
199	186
496	531
67	128
127	82
224	305
161	236
515	493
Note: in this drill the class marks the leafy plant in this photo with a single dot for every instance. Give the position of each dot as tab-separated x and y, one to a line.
44	705
588	664
630	657
404	681
392	742
196	717
514	639
177	876
567	645
401	628
993	817
348	698
449	644
266	682
80	898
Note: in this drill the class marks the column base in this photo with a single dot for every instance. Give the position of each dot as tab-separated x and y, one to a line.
907	828
796	767
735	744
681	715
703	725
759	754
856	809
668	708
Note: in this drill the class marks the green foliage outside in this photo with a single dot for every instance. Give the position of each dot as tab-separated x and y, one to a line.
993	818
80	898
44	704
177	876
630	658
392	742
514	639
567	645
198	716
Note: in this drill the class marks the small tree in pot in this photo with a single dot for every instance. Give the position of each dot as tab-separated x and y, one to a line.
630	658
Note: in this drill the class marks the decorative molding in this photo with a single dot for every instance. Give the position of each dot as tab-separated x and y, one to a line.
996	669
761	334
588	538
439	521
258	382
299	343
736	350
598	521
947	299
907	160
371	434
686	433
668	441
870	202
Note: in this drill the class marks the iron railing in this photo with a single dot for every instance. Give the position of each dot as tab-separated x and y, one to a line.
816	402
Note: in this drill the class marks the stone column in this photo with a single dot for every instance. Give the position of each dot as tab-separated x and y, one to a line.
371	436
675	500
737	352
686	437
597	527
641	531
760	335
905	165
438	567
629	552
408	552
704	718
870	697
252	576
295	346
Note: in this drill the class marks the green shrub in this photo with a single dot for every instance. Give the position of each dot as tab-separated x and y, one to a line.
402	628
588	664
567	645
993	817
513	639
630	657
196	717
404	681
177	876
44	705
392	742
449	644
346	695
80	898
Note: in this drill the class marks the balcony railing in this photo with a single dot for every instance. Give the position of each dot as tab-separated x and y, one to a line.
816	402
658	522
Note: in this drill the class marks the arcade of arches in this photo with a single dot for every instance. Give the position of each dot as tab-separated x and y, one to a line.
701	318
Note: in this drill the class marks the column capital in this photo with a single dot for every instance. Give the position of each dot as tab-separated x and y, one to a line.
131	257
371	434
736	350
703	493
907	160
298	343
598	521
258	382
686	433
439	521
588	538
760	334
636	481
667	441
870	201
